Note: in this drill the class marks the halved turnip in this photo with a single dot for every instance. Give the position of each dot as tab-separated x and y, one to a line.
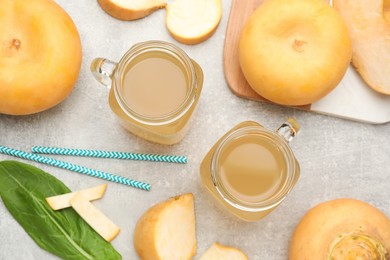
342	229
167	230
370	33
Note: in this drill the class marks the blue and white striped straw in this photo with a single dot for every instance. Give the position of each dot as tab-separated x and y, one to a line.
74	167
111	155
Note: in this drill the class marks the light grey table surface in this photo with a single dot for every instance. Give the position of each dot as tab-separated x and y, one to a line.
338	158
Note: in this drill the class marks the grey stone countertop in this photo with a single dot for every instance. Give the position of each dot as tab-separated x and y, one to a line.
338	158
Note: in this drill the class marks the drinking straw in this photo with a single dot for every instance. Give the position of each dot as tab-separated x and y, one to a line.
111	155
74	167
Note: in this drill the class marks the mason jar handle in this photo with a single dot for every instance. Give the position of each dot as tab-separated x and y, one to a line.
289	129
102	69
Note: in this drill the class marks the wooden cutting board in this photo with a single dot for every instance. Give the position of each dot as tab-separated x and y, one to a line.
351	99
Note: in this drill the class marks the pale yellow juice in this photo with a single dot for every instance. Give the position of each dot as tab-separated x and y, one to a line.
252	168
154	87
249	174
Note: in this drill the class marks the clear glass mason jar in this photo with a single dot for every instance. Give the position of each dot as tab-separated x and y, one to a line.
262	167
167	128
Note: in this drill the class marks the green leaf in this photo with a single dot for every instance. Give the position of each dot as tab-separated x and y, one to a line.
23	189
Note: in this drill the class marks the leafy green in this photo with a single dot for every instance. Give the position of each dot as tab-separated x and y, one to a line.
23	189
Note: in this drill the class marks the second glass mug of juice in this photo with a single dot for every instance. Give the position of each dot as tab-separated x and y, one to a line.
154	90
251	169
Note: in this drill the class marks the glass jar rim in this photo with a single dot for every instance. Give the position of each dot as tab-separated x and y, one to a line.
167	48
275	198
